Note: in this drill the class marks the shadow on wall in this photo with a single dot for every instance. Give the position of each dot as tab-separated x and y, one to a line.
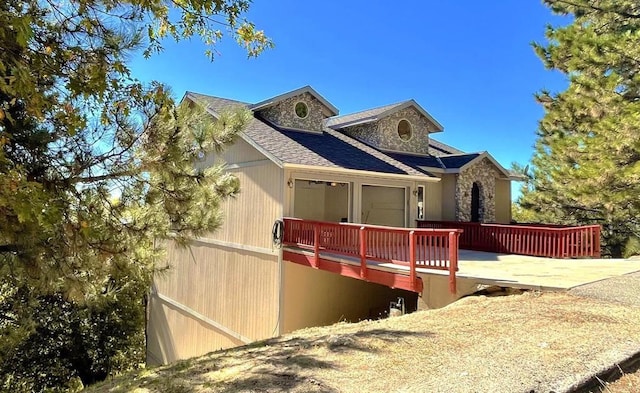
160	343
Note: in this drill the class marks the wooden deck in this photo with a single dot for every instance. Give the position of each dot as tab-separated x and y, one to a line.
405	257
553	241
484	268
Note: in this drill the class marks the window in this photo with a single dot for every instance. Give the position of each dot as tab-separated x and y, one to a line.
420	197
404	130
301	109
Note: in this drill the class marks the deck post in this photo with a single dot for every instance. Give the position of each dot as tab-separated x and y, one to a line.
453	260
412	258
597	242
316	245
363	252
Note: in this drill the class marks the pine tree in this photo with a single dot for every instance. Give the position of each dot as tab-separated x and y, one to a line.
96	170
586	166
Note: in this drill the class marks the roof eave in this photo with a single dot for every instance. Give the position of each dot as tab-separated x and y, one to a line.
412	102
485	154
359	172
353	123
305	89
242	135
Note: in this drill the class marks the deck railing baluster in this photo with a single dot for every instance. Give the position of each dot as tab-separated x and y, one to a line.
554	241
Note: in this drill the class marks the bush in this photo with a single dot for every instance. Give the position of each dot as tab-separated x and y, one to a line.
55	344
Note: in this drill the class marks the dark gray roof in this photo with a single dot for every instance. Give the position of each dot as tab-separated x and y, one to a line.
455	161
437	148
327	149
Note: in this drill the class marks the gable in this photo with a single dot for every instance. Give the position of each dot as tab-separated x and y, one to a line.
383	133
420	127
283	113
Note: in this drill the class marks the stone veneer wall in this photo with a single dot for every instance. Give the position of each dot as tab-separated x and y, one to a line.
367	133
283	113
484	173
384	133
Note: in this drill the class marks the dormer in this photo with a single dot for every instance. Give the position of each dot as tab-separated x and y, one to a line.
302	109
400	127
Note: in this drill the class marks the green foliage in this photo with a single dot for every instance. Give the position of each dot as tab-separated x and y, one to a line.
96	170
70	344
586	167
632	248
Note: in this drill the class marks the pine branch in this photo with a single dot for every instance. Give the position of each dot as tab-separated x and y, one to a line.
595	8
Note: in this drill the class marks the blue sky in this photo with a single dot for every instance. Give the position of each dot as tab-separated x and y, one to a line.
469	64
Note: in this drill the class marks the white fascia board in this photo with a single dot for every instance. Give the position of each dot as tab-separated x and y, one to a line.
360	173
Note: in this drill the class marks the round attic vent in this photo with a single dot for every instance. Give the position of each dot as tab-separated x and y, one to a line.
404	130
301	109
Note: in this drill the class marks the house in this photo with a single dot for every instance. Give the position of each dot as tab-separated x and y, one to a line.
299	158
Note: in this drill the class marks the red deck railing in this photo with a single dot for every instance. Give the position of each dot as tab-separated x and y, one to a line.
425	248
553	241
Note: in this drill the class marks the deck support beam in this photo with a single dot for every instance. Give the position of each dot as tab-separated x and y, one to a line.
392	280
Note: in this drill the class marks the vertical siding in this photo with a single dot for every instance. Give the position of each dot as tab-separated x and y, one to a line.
503	201
433	201
248	218
235	288
449	197
217	294
239	152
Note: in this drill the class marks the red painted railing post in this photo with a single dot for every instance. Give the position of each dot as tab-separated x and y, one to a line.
316	245
363	252
597	242
453	260
412	259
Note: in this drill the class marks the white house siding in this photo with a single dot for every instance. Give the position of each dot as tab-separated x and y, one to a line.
448	182
433	201
503	201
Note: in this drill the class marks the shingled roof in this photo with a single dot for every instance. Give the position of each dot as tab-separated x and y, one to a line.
437	148
452	163
456	161
330	149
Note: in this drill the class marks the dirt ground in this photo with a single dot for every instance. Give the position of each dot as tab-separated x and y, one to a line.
534	342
